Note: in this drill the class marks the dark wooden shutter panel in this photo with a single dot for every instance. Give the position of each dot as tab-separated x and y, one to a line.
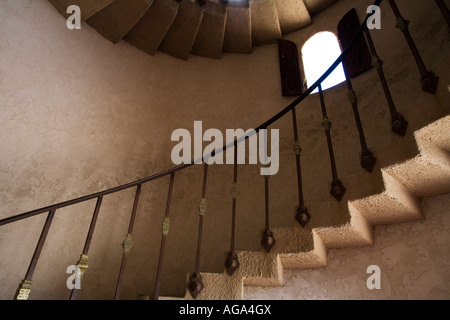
291	79
359	58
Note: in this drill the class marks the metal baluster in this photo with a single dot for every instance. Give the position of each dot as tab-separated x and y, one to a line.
232	260
399	124
24	289
367	158
128	243
337	187
82	264
268	240
302	215
429	79
195	284
445	11
165	232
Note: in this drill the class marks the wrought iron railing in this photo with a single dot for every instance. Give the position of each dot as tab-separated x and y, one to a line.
195	284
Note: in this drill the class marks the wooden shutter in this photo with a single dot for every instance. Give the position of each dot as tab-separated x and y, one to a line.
291	79
359	58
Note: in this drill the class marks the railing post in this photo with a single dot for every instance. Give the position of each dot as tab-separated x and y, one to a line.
337	187
268	240
367	158
165	232
232	260
429	79
127	243
195	284
302	215
445	11
399	124
24	289
82	263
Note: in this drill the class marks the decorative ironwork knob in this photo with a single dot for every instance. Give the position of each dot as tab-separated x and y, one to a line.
232	263
268	240
303	216
337	190
195	284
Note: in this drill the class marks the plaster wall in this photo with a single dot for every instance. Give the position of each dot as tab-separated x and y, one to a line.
413	260
80	115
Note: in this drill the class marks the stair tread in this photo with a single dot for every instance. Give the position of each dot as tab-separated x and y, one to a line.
264	21
210	36
115	20
181	35
238	32
383	209
423	177
149	32
88	7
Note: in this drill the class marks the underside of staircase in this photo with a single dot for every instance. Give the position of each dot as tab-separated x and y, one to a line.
188	27
405	184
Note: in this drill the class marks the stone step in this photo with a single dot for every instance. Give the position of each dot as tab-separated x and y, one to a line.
211	33
292	15
396	204
116	20
428	174
88	7
181	35
264	21
298	248
238	30
181	28
257	269
149	32
434	143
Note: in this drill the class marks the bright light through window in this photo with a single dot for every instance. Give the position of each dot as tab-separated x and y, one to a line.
319	53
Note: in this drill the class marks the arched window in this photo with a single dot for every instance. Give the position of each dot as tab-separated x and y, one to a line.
318	54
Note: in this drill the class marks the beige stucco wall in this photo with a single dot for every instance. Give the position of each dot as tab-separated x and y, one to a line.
80	115
413	259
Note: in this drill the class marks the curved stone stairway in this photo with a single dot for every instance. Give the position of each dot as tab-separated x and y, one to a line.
425	175
182	28
204	28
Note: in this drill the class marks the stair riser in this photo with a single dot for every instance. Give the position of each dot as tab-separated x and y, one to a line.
117	19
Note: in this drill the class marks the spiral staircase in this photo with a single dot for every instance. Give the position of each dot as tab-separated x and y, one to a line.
203	28
210	28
